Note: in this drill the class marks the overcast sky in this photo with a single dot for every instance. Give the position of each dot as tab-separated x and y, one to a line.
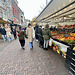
31	8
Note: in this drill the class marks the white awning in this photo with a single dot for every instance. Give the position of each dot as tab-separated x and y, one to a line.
57	11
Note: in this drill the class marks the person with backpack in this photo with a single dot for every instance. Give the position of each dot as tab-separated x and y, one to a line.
46	36
21	35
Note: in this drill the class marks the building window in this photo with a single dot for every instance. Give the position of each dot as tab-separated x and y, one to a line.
13	11
1	14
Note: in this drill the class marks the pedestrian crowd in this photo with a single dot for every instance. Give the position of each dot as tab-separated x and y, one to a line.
6	33
42	35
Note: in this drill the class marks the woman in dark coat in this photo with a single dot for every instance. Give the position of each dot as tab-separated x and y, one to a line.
46	36
22	37
14	33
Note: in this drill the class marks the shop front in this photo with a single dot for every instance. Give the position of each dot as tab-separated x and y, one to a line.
3	23
60	15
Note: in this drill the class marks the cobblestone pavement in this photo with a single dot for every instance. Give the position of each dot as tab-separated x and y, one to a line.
4	44
15	61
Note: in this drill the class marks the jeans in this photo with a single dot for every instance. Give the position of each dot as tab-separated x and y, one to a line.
9	39
4	37
46	43
31	45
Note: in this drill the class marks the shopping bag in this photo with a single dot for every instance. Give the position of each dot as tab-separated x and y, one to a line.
19	33
9	33
50	42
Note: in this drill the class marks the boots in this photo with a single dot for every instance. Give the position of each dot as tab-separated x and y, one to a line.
23	48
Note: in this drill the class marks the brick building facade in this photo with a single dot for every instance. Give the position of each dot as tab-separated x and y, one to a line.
15	11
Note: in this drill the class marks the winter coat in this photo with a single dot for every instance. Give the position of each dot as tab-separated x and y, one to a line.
14	31
3	31
36	31
8	32
46	34
22	34
33	32
29	32
40	35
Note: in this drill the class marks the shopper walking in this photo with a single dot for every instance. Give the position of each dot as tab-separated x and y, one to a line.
8	33
29	32
3	32
46	36
36	32
21	34
14	33
40	37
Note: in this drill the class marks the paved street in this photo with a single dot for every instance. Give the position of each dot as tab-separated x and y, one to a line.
15	61
4	44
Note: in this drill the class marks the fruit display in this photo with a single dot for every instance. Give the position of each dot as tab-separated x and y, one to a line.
64	36
69	38
57	48
74	48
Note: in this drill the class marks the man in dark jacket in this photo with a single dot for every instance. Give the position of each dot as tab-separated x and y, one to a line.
36	32
14	33
3	32
40	37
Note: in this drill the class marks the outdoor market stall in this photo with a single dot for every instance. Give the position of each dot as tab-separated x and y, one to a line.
2	22
62	39
61	13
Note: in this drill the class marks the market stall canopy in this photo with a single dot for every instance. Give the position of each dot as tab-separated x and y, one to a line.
4	22
57	10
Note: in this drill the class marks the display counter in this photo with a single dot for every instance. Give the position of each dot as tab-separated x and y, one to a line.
60	46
